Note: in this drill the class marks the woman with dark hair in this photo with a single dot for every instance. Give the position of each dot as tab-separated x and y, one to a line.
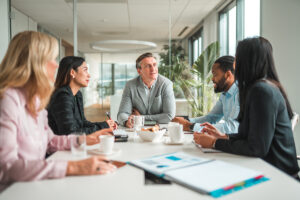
265	112
65	110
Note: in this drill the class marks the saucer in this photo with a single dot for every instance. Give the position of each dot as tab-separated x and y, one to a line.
98	152
168	142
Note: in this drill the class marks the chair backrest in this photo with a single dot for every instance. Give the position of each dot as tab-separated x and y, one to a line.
115	101
295	120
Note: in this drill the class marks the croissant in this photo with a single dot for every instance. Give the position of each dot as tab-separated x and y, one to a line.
151	129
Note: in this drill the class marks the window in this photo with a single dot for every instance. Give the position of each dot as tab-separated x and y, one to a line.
114	77
195	42
252	18
238	20
227	30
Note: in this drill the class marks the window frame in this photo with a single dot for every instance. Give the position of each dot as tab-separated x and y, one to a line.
195	37
240	22
225	11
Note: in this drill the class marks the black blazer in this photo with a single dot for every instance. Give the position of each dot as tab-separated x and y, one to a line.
65	113
265	130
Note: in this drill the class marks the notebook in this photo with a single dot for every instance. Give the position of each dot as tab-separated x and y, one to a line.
120	132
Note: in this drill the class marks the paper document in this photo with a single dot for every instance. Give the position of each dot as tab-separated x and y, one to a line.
160	164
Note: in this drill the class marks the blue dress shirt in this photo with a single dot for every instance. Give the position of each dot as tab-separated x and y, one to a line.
227	108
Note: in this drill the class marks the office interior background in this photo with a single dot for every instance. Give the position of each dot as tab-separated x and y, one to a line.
111	34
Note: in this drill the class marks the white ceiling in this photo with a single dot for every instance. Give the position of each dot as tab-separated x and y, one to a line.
117	19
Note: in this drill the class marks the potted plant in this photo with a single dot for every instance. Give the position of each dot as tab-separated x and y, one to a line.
199	90
177	69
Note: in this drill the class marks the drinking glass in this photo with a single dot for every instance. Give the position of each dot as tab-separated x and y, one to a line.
78	144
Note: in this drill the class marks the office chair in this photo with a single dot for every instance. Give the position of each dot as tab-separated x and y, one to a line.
294	121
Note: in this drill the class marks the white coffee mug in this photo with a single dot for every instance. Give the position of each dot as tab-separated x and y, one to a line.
175	132
106	143
138	122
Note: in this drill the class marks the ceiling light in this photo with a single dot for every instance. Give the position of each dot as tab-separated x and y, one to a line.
122	45
97	1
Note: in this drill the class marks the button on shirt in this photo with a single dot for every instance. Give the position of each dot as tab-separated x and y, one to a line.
227	108
148	92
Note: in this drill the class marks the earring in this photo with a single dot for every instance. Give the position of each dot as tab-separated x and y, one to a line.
73	76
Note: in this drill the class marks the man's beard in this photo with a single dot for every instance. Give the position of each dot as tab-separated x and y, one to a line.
221	85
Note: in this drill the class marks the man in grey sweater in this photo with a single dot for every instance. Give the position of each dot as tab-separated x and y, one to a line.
149	94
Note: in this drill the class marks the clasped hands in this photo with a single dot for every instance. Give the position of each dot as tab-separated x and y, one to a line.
208	136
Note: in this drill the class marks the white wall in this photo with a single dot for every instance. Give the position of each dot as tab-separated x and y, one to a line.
4	24
210	29
280	24
209	26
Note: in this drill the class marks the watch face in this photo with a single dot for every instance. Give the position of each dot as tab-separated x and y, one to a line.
192	126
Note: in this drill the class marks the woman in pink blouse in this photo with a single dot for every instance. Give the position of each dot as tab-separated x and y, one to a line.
26	78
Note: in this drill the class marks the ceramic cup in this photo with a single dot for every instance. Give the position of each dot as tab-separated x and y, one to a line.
175	132
138	122
106	143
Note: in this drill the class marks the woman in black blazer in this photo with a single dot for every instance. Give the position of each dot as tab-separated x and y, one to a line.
265	112
65	110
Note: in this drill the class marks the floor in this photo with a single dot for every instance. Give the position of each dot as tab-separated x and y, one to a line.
96	113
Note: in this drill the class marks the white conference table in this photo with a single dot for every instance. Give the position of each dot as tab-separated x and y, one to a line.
129	182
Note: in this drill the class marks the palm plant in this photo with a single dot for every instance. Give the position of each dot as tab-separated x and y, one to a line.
177	69
199	91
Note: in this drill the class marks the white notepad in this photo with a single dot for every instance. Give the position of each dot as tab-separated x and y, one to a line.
211	176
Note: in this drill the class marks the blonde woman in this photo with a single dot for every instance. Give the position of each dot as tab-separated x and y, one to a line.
26	73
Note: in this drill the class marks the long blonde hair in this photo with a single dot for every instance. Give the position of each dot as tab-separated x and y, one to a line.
24	66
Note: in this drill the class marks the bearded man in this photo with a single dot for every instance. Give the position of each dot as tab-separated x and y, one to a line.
223	115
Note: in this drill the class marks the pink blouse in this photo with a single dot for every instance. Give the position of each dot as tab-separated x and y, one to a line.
24	141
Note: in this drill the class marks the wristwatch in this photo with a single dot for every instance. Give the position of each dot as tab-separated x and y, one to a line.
192	126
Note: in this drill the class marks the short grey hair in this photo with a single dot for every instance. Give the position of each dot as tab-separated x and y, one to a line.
141	57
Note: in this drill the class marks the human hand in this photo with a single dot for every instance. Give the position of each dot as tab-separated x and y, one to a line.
185	123
93	165
94	137
112	124
205	140
135	112
211	130
129	122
